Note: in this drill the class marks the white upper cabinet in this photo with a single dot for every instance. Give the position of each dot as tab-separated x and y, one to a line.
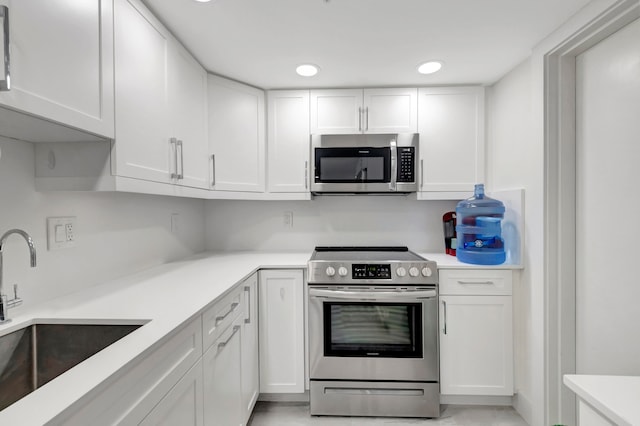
288	141
60	63
188	112
236	136
352	111
142	144
390	110
452	146
160	103
336	111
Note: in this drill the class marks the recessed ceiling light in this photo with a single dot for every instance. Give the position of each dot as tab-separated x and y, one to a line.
307	70
203	1
430	67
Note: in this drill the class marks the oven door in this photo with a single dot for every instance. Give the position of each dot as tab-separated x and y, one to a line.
373	333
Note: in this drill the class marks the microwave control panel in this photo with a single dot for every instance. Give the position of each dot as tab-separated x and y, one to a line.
406	164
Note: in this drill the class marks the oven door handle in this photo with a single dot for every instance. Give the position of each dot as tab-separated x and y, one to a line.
367	296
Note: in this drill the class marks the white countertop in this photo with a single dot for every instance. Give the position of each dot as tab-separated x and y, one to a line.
167	296
616	397
446	261
164	298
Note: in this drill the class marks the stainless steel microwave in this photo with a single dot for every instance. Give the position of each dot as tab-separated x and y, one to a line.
368	163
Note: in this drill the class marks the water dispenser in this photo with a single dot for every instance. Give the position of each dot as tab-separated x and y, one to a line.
479	232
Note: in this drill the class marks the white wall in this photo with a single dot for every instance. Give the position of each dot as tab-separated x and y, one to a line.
117	233
327	220
607	156
514	159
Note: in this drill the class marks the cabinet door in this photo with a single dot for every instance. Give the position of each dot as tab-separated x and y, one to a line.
61	62
390	110
281	331
188	114
476	345
182	405
142	143
236	136
335	112
222	379
451	127
249	347
288	141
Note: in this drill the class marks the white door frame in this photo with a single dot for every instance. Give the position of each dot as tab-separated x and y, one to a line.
560	199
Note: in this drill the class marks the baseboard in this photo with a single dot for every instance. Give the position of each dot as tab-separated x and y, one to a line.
476	400
284	397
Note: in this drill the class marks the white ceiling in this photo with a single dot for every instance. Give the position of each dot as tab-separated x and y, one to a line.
360	43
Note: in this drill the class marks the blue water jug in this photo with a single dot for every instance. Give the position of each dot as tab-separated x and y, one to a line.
479	231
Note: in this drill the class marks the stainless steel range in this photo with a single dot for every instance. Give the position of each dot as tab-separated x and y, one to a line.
373	333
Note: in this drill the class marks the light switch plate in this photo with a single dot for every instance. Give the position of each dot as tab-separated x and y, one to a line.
61	232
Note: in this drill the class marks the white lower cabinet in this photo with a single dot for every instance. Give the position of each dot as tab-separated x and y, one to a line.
222	378
137	393
281	331
587	416
249	347
476	337
182	405
211	371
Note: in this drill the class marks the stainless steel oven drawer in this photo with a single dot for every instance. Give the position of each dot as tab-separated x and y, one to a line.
380	399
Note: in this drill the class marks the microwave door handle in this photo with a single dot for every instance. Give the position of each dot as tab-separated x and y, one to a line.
394	166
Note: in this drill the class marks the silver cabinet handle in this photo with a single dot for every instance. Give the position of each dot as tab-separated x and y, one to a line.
247	320
366	122
221	318
306	175
5	84
444	326
475	282
213	170
359	119
226	342
181	174
174	174
421	173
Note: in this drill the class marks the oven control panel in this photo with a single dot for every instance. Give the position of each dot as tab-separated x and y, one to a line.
371	271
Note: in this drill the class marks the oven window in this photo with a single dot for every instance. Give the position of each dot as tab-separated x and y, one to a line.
373	329
345	165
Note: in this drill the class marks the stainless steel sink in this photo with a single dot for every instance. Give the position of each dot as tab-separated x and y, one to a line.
38	353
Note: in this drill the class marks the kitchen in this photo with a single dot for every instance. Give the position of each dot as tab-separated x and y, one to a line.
123	233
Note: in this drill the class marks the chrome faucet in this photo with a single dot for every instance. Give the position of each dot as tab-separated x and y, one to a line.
6	303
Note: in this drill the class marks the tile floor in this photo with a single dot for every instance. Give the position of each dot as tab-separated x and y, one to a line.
297	414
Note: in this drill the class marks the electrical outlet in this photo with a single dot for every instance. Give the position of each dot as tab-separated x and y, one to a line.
61	232
175	223
287	219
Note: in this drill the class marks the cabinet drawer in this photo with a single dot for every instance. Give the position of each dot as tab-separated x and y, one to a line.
219	316
476	281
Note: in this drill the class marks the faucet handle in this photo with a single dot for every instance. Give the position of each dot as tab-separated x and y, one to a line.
16	301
